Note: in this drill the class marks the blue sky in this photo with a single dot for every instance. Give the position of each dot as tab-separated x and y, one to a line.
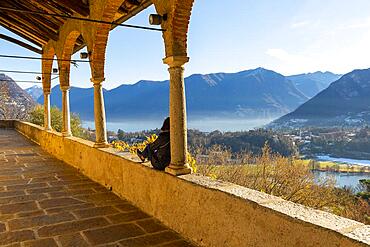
287	36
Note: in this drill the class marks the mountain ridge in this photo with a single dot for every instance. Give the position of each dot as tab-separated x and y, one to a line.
345	102
248	94
313	83
35	91
15	103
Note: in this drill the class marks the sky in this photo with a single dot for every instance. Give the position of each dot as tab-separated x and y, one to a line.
287	36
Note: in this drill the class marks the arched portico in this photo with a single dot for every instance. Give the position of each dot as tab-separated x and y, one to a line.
175	28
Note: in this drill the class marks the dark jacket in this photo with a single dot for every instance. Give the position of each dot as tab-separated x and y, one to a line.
160	151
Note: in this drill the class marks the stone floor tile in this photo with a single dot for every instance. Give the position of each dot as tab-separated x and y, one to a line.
20	199
73	240
66	208
68	193
180	243
42	220
151	225
18	207
150	240
113	233
127	217
15	237
58	202
96	211
2	227
71	227
11	193
126	207
26	186
30	214
47	242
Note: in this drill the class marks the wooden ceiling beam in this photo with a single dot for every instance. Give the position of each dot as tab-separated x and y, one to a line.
41	22
80	43
32	24
50	8
129	4
13	30
144	4
135	2
46	21
32	33
77	6
60	8
20	43
49	24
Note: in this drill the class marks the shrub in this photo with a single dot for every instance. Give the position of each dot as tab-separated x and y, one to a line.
36	116
285	177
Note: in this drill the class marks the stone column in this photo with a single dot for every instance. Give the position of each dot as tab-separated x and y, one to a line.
99	114
47	115
178	129
66	127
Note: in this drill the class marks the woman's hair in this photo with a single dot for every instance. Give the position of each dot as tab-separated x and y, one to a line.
166	124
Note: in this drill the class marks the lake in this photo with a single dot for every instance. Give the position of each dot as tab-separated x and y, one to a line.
343	160
202	124
343	179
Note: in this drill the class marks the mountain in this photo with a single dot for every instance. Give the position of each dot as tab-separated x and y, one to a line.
81	100
346	102
34	91
15	103
257	93
311	84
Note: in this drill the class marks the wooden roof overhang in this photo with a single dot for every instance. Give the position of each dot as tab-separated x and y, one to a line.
40	29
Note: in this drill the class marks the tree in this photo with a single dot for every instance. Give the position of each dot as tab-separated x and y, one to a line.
36	116
120	134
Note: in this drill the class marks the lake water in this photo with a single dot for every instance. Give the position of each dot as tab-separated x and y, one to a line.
204	124
343	179
344	160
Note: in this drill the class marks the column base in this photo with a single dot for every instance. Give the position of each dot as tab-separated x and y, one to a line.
66	134
178	170
101	145
47	129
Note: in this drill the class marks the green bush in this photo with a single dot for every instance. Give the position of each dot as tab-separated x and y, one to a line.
36	116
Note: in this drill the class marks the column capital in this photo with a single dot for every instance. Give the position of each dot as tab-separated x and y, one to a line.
176	61
97	81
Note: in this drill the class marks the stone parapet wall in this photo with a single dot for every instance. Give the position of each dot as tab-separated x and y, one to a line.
209	212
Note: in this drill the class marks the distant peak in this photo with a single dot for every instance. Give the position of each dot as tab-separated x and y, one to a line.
259	70
317	73
34	86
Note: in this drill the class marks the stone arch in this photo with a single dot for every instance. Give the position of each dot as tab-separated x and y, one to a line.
64	66
47	66
178	17
97	60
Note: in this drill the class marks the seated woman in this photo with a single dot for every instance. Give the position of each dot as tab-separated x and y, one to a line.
159	152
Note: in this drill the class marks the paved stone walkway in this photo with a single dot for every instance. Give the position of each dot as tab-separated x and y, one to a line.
44	202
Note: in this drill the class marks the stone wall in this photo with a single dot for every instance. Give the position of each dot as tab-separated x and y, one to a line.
211	213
